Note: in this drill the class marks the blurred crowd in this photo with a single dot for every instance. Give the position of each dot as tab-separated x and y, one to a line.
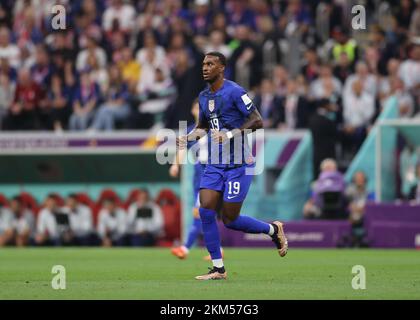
76	222
127	64
137	64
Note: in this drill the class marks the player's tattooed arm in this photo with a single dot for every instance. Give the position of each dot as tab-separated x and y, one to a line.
197	133
253	122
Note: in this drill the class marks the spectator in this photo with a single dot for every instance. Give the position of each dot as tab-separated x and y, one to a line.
53	225
7	94
358	110
201	17
310	69
343	43
23	222
188	83
150	57
6	226
280	79
25	111
98	74
217	43
415	22
268	104
327	200
408	160
9	51
409	70
115	107
357	196
343	68
414	194
130	69
245	62
145	220
92	48
41	70
326	86
156	97
369	81
119	16
80	218
324	133
112	224
86	98
59	104
384	85
295	109
405	102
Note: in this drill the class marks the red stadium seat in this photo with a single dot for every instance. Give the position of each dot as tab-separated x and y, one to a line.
3	201
131	198
171	210
84	199
30	202
109	194
59	199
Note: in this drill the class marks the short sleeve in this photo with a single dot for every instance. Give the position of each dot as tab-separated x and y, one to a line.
243	102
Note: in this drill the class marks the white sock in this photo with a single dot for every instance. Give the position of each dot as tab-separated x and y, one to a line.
271	232
218	263
186	250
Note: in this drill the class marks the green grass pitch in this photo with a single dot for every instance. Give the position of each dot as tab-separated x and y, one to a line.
252	274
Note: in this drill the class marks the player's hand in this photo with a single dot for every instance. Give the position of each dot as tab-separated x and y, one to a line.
181	142
174	171
218	136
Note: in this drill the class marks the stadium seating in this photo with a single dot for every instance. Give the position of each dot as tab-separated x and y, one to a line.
3	201
166	199
171	210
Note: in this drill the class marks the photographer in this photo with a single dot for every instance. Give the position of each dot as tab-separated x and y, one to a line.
144	220
53	227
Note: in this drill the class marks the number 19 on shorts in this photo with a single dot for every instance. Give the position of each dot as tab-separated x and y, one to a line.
234	188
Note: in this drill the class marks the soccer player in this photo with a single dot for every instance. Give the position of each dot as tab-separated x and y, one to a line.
195	230
226	111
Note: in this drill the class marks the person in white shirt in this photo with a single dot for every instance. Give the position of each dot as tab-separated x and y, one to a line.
217	43
409	70
8	50
123	14
6	226
358	110
92	48
80	218
369	81
53	225
145	220
326	85
23	222
112	224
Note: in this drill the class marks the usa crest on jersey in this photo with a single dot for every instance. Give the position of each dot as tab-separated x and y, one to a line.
211	105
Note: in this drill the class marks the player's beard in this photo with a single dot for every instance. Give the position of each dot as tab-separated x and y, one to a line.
212	80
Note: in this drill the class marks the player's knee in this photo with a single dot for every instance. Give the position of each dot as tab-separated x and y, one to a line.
207	204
